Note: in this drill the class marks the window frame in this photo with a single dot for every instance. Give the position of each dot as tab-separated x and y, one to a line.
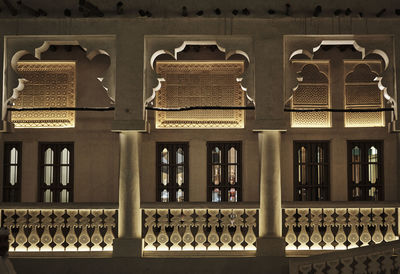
224	185
364	146
8	146
172	187
56	186
311	164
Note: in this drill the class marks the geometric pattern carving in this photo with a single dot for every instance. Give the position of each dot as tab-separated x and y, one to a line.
51	84
338	228
200	229
312	92
361	91
200	83
60	229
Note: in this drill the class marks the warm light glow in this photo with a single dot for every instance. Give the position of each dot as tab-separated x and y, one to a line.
50	84
200	83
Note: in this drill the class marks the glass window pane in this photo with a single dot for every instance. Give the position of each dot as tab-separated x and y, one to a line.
356	173
373	193
216	156
165	156
48	175
13	175
232	156
164	196
180	175
320	174
232	174
180	195
302	155
180	158
48	196
216	174
165	175
356	154
64	175
216	195
372	155
14	156
372	173
49	156
65	157
320	154
232	195
357	193
64	196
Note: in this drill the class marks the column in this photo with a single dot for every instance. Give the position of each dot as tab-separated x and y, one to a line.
129	241
270	241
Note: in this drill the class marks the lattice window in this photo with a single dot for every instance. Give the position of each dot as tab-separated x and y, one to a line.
312	92
12	172
51	84
362	92
200	83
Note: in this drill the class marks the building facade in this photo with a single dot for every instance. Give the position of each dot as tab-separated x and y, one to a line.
144	131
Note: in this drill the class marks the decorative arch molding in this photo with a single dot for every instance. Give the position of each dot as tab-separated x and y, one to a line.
383	79
202	60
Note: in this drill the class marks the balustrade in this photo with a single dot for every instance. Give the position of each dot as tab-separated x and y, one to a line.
60	229
200	229
337	228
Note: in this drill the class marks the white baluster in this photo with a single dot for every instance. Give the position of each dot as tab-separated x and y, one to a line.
340	222
33	237
21	223
365	237
290	222
72	223
303	223
200	223
162	237
316	221
251	224
58	223
213	237
150	223
353	237
96	237
187	223
328	221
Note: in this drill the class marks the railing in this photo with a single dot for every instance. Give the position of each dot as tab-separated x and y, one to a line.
384	258
200	227
60	227
336	226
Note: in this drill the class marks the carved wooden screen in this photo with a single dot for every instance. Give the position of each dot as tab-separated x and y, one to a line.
51	84
200	83
362	92
312	92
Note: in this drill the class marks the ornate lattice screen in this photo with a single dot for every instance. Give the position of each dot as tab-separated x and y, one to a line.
362	92
51	84
200	83
312	92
